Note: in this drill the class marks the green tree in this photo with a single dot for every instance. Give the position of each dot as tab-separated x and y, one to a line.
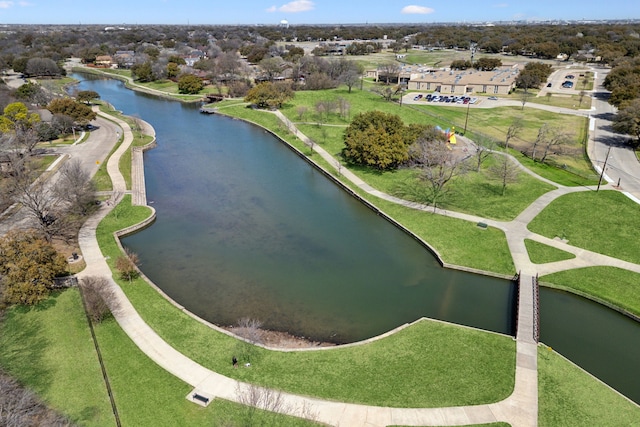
173	70
42	67
28	266
487	64
19	65
81	114
87	96
177	60
376	139
26	91
143	72
532	75
190	84
269	95
460	64
16	117
627	120
624	82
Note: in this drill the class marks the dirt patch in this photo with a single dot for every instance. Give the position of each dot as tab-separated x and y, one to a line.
277	339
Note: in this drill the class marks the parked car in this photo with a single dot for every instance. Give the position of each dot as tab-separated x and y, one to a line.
493	98
549	84
567	84
569	76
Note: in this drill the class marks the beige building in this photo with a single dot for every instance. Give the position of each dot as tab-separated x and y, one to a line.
499	81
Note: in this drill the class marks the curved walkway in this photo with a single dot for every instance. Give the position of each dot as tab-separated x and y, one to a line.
519	409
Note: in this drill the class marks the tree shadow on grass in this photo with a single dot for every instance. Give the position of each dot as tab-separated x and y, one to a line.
22	349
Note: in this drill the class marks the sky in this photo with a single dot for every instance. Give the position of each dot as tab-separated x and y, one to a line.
269	12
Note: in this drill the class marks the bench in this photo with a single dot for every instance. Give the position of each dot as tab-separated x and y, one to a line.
201	398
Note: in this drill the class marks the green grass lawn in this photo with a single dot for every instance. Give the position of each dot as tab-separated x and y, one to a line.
458	242
606	222
568	396
612	285
49	349
60	364
485	124
539	253
563	101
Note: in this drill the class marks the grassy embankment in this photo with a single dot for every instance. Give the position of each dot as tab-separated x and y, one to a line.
60	364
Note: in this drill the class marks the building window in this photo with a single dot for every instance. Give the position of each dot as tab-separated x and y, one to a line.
495	89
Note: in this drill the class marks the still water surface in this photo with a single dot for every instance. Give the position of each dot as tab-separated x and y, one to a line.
247	229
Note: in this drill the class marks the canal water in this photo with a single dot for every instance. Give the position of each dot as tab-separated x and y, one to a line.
246	228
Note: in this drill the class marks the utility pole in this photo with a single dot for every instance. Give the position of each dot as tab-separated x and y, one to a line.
466	118
603	168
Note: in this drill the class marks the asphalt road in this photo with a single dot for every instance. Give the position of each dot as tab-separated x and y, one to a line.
606	146
90	153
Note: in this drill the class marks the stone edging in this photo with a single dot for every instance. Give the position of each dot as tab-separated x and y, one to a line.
591	298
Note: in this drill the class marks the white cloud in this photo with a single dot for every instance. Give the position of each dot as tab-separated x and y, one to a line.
272	9
6	4
413	9
297	6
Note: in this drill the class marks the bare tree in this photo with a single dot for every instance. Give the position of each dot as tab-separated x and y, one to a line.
127	264
25	138
350	78
525	96
250	329
344	107
513	131
556	138
388	92
301	110
390	71
62	123
439	167
76	189
258	398
99	298
19	407
483	152
37	197
581	97
505	170
540	139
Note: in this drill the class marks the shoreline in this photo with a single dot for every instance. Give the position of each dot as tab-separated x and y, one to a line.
137	227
